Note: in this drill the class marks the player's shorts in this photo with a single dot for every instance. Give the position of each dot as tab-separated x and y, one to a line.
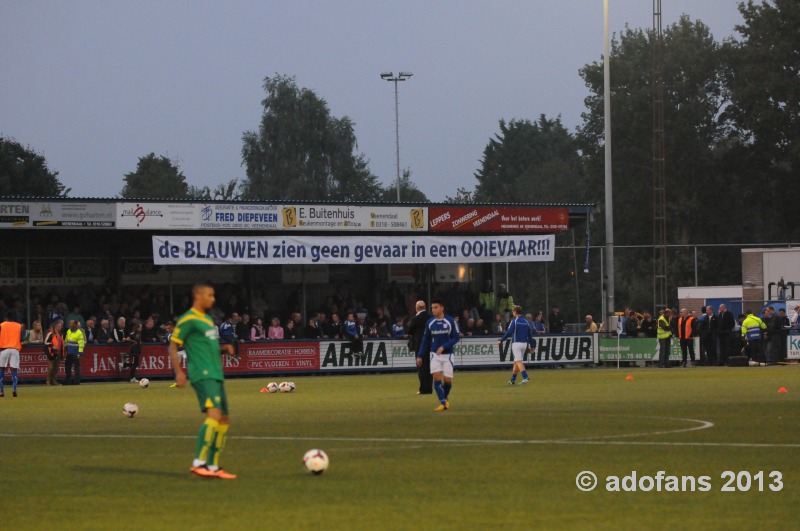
211	394
182	354
9	356
442	363
518	351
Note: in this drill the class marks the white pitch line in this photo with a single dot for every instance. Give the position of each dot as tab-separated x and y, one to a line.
703	425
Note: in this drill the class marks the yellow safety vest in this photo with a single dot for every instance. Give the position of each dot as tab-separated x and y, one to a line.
661	333
75	339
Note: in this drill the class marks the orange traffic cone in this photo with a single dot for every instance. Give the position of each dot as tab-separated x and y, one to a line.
629	377
264	390
782	390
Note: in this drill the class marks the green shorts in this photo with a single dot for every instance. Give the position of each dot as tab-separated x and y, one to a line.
211	394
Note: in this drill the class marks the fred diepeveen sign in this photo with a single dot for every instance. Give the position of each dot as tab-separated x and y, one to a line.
349	250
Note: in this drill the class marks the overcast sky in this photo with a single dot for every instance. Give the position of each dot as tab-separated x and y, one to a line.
95	85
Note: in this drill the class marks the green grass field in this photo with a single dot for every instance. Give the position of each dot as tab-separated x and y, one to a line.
501	457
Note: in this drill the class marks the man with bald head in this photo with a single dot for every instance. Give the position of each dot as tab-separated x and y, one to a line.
416	328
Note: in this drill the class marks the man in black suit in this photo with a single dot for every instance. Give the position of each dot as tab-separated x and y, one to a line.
416	328
556	322
726	323
707	328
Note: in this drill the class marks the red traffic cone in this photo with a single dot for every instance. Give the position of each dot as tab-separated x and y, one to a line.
629	377
782	390
264	390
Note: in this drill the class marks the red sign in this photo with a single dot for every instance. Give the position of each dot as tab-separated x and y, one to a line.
103	361
527	220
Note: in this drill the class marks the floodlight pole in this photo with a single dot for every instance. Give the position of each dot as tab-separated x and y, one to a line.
402	76
609	208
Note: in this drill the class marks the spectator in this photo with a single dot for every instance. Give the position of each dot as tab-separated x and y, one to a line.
470	329
243	328
291	331
354	333
36	334
537	323
91	336
311	331
480	328
648	325
104	334
557	323
257	332
372	329
360	312
227	330
773	335
796	323
505	303
591	326
632	325
334	327
276	331
783	333
725	325
707	329
398	330
487	302
498	327
75	341
149	332
382	327
686	336
119	334
54	350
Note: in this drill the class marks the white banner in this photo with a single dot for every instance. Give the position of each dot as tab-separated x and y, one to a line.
356	218
793	347
469	352
350	250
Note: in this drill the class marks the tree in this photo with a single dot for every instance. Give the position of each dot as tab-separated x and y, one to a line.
530	161
408	191
23	172
300	151
700	195
764	80
156	177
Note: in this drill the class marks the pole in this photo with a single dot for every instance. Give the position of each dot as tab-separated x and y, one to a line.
603	294
695	266
27	285
575	270
397	136
546	294
609	209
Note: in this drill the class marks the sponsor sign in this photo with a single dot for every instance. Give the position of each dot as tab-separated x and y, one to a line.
497	219
468	352
15	214
356	218
793	347
187	250
158	215
102	361
641	349
244	216
71	215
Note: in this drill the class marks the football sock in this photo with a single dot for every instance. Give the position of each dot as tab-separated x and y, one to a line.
205	439
513	377
219	445
2	378
447	387
14	378
524	375
437	386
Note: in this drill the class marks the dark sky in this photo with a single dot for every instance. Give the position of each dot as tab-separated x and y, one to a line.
95	85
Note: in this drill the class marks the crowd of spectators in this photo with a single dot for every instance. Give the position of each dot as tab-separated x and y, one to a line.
109	317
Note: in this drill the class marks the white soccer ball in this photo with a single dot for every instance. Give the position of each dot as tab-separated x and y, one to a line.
316	461
130	410
292	386
272	387
144	383
285	387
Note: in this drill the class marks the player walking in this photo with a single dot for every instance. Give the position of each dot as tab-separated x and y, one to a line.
519	329
441	335
196	332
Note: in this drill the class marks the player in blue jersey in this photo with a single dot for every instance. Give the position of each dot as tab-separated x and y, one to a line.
521	334
441	335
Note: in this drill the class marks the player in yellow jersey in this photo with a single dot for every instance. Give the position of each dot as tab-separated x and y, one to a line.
196	333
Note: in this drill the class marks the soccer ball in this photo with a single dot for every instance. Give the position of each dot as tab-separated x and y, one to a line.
286	387
292	386
316	461
144	383
272	387
130	410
